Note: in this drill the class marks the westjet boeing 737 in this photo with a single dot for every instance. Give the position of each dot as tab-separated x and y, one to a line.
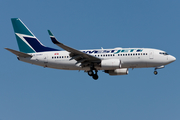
115	61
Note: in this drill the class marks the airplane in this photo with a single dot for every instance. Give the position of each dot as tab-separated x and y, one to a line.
116	61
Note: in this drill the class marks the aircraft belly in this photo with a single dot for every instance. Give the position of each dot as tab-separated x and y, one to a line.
63	64
133	62
157	61
32	61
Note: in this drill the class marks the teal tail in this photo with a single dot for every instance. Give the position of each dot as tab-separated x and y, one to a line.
26	40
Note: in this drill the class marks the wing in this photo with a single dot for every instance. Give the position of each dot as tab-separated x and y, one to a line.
80	57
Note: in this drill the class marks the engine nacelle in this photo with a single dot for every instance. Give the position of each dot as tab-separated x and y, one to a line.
110	64
122	71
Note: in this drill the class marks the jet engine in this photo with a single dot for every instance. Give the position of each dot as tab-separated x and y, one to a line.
121	71
110	64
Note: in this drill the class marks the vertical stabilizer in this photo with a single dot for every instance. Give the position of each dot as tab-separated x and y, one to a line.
26	40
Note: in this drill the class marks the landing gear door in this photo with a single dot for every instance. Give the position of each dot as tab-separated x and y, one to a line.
151	54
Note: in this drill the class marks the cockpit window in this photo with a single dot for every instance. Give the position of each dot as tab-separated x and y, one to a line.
163	53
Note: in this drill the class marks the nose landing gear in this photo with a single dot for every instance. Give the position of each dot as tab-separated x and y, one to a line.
155	72
159	67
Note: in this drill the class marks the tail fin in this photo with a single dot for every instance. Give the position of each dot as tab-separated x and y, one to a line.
26	40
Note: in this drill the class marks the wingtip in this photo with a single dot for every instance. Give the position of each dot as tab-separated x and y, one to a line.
50	33
53	39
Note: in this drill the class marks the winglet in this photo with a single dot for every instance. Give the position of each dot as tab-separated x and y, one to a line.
50	33
17	53
53	39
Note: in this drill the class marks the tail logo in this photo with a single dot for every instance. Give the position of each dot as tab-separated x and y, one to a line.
26	40
24	46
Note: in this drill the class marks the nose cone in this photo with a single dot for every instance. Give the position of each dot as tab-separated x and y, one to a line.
171	58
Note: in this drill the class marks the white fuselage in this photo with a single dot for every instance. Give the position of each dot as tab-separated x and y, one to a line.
129	57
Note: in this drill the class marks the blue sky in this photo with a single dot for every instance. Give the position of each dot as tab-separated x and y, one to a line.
29	92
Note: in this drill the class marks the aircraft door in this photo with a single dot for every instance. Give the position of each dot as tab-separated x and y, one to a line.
151	54
42	60
45	60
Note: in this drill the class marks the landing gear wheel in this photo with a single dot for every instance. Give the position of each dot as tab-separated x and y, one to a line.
95	76
93	72
90	73
155	72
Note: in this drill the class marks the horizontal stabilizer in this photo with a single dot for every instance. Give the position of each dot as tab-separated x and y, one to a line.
17	53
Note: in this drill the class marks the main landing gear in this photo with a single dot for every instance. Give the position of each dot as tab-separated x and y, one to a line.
93	74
